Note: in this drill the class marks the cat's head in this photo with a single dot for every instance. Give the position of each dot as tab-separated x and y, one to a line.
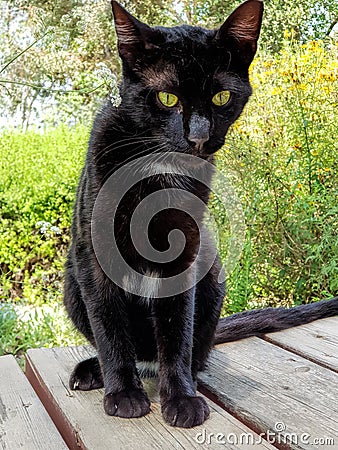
186	84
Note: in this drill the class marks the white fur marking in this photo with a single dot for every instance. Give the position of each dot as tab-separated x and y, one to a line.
147	368
148	288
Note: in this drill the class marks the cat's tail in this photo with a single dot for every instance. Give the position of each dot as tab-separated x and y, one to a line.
261	321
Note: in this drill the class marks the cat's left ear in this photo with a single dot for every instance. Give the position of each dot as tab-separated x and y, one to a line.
241	30
133	36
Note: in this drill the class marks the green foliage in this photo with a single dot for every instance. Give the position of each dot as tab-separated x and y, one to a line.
282	154
24	328
76	49
39	174
65	75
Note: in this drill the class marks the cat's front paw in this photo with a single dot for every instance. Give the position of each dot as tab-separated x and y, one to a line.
86	375
128	403
185	412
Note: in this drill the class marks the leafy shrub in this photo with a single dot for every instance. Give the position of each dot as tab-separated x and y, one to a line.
22	328
39	174
282	155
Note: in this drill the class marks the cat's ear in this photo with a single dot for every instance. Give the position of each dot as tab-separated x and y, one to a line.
133	36
241	30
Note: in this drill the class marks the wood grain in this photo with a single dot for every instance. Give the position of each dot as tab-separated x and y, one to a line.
317	341
268	388
24	422
81	419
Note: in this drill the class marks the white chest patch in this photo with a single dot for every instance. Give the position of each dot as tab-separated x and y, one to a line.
147	287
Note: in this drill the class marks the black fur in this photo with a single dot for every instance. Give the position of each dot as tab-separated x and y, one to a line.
261	321
177	332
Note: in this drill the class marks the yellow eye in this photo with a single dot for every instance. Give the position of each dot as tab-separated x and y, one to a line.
167	99
221	98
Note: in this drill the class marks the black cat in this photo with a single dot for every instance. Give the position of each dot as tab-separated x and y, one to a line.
182	88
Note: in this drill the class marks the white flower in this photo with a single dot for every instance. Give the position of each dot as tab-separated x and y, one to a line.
55	230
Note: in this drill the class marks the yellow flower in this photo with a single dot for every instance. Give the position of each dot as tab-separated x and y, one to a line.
276	91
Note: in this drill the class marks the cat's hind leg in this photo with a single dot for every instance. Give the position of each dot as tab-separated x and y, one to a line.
87	374
75	306
208	304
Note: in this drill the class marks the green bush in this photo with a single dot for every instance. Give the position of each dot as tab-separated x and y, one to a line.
39	174
23	327
282	156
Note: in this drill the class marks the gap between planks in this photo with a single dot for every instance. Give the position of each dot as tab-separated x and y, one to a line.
83	423
262	384
316	341
24	422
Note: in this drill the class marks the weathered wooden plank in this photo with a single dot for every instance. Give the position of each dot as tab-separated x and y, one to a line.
273	390
83	423
24	422
317	341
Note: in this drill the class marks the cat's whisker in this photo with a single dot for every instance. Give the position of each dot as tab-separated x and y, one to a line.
131	137
126	143
135	156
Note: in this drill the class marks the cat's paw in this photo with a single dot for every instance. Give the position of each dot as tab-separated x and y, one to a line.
86	375
128	403
185	412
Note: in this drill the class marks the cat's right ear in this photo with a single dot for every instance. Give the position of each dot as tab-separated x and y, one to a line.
134	37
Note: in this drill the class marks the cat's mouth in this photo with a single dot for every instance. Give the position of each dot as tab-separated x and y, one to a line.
206	150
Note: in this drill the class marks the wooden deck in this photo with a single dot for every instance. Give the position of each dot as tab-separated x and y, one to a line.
280	391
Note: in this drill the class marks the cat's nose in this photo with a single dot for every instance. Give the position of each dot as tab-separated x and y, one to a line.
199	141
199	127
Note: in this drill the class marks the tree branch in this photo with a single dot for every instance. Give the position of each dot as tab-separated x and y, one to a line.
331	27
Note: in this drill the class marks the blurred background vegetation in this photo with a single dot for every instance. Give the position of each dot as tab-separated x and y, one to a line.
58	62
